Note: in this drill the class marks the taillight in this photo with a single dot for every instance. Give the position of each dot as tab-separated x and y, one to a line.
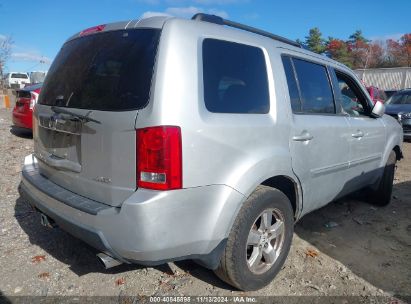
93	29
159	158
33	99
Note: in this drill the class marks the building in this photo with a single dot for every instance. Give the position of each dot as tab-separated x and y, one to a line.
387	78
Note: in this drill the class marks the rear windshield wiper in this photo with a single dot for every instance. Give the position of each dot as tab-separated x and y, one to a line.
82	118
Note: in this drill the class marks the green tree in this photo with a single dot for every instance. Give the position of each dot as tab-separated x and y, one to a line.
359	49
356	37
338	50
314	41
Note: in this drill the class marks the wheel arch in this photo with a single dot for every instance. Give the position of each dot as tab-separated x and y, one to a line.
291	188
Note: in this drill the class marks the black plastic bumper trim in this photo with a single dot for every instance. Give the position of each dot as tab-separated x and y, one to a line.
63	195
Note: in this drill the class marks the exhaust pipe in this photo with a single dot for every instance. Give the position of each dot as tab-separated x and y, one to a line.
108	261
46	221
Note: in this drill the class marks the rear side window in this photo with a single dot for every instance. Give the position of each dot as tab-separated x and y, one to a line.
109	71
235	78
292	85
315	87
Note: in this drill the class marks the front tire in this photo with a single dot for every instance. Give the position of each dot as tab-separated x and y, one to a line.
259	241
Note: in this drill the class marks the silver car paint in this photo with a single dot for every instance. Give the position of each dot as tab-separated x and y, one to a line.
107	151
225	156
154	225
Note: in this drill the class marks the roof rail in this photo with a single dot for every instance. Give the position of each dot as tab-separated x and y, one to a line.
220	21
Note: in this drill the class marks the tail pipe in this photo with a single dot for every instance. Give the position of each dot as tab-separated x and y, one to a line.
108	261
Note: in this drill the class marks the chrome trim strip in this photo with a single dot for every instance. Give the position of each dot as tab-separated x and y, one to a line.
329	169
356	162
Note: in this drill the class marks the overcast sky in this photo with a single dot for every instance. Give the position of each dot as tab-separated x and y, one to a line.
40	27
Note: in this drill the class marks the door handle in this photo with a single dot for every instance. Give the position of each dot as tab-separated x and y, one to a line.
358	134
305	136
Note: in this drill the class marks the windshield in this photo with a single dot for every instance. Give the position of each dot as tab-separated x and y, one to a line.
19	75
109	71
400	98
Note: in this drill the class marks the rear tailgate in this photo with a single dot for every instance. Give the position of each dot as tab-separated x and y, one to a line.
84	122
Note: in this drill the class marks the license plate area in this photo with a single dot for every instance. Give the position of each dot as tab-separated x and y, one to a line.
60	138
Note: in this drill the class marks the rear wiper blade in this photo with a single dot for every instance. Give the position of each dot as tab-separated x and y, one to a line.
83	118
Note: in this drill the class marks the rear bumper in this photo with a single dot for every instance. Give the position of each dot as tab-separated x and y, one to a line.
23	120
151	227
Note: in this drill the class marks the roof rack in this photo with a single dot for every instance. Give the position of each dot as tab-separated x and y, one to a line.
220	21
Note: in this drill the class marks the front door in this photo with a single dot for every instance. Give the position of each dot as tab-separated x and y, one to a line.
367	140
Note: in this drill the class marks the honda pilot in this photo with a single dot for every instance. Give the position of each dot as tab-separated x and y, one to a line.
165	139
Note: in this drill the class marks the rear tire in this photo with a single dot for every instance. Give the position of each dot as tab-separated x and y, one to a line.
382	195
259	240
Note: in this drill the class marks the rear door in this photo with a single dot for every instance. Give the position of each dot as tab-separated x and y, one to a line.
368	134
84	131
319	143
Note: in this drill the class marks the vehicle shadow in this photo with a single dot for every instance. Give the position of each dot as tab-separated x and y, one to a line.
4	299
66	248
373	242
21	132
203	274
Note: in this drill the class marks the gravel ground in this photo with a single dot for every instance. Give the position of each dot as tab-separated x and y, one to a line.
365	253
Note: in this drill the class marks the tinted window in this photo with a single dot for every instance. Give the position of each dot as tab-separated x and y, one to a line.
400	98
292	84
315	87
105	71
19	75
235	78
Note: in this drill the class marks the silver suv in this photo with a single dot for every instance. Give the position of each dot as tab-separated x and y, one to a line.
165	139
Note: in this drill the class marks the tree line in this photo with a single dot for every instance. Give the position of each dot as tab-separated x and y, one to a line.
357	52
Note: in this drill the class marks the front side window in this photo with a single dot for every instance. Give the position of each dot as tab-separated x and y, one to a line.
353	101
235	78
315	87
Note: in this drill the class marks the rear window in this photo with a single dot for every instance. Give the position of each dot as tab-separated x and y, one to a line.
109	71
235	78
23	94
19	75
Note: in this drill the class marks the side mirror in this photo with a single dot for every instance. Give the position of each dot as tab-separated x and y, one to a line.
378	110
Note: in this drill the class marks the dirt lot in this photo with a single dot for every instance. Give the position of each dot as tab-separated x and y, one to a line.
366	253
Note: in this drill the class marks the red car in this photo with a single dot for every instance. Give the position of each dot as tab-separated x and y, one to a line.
377	94
23	111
